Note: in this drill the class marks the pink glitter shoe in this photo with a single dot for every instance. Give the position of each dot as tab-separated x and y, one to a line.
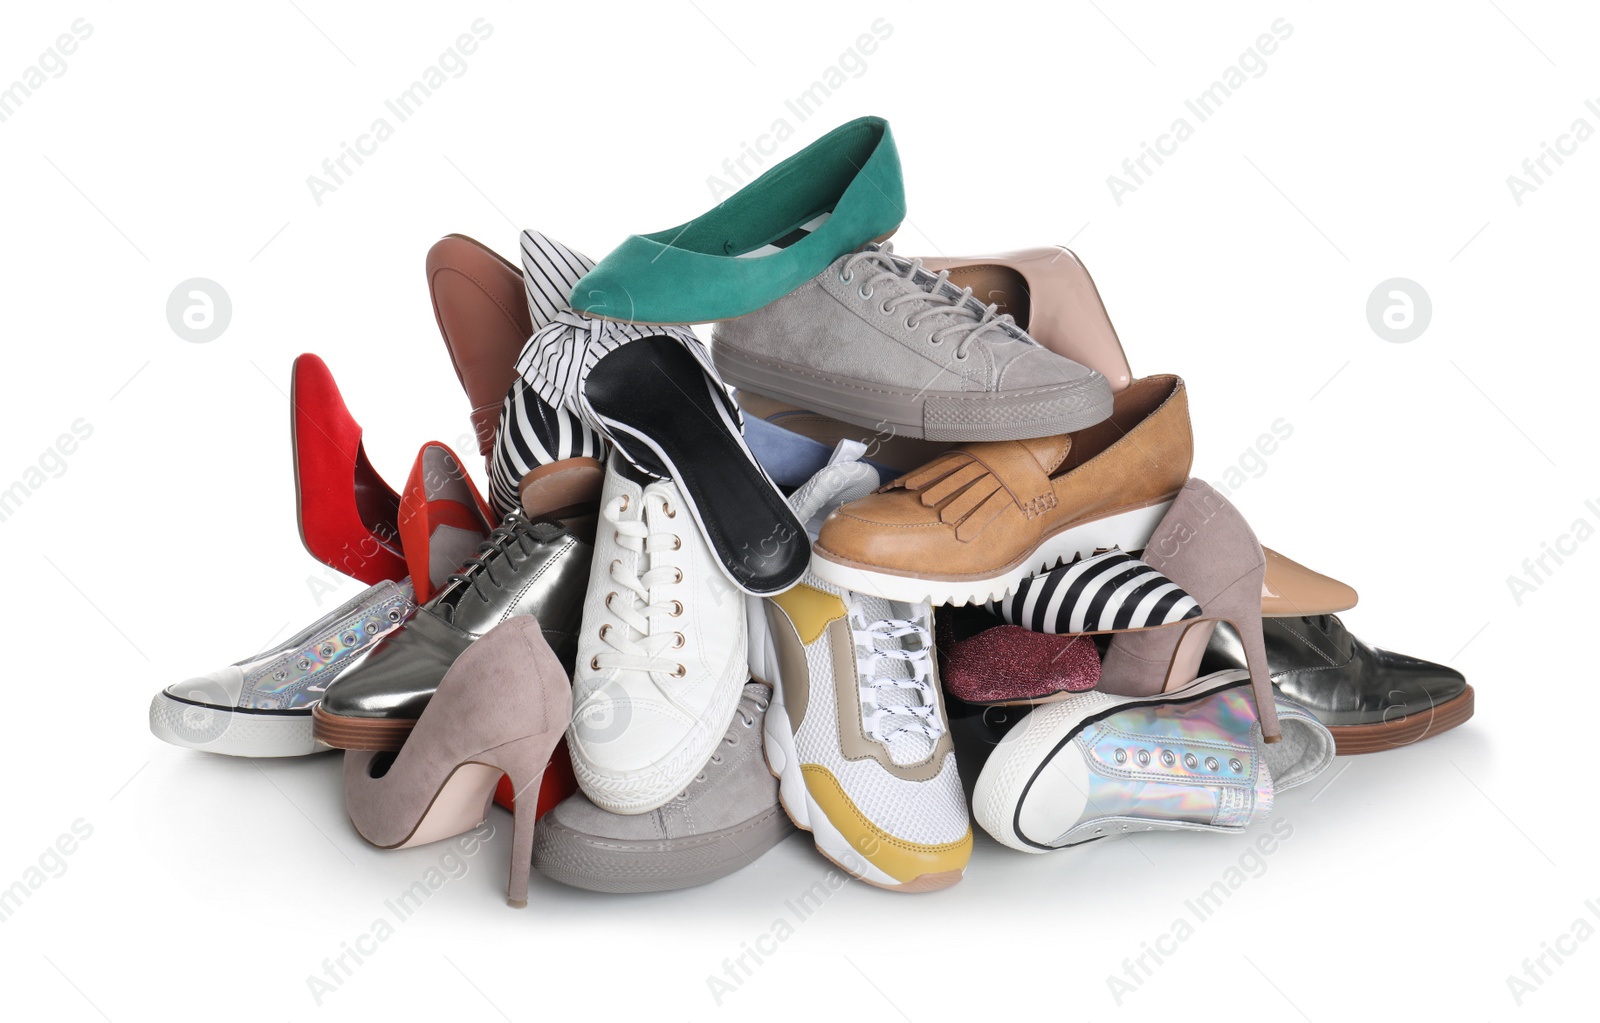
1007	665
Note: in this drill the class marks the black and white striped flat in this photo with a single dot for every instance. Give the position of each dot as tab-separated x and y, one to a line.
1110	592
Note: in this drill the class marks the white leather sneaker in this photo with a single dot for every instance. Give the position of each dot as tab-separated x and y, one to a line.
661	656
857	732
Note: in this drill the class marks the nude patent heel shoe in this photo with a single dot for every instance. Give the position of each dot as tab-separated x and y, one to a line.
500	710
1205	546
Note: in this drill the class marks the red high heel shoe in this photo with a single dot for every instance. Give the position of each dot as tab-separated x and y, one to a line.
347	512
443	518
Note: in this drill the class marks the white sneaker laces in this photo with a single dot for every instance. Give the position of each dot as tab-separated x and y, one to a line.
634	639
898	695
935	298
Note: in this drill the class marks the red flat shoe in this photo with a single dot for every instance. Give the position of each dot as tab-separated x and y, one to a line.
347	512
443	518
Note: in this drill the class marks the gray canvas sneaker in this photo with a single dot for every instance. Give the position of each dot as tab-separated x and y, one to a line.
524	568
724	819
880	342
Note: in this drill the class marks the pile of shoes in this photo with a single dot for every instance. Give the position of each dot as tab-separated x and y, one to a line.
690	617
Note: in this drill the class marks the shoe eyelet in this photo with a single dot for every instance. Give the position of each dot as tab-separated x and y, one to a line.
678	643
394	615
677	611
304	663
961	357
327	651
1236	765
1122	756
1168	757
616	538
279	676
371	627
935	341
865	292
624	505
1191	761
594	663
350	637
680	575
677	542
682	671
1144	758
1211	763
669	511
885	308
910	323
846	278
604	629
716	758
608	600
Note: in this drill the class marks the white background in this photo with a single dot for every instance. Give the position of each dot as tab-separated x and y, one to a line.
1376	144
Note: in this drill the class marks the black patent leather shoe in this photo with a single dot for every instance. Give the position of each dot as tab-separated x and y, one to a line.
1370	699
524	568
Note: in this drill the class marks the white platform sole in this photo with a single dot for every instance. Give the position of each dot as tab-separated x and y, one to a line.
1129	530
783	760
231	732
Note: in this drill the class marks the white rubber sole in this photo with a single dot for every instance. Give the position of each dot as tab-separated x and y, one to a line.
1022	754
1129	530
784	762
231	732
651	787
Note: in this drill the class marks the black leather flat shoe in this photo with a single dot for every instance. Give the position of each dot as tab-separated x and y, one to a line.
667	415
1370	699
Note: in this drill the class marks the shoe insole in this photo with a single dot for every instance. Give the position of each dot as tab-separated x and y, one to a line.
663	414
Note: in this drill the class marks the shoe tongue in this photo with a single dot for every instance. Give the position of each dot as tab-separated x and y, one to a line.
906	746
838	483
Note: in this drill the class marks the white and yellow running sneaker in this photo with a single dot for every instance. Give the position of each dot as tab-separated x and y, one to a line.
857	732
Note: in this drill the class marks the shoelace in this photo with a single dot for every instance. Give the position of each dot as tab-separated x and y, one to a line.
514	531
932	299
634	643
732	737
884	721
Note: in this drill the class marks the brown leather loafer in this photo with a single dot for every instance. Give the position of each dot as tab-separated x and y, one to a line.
969	525
482	311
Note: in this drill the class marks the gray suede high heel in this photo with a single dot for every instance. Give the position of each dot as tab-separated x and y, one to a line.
500	709
1205	546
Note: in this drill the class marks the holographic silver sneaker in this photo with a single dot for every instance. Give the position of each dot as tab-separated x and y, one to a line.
1102	766
261	706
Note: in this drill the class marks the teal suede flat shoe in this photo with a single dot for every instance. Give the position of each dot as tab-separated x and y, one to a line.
837	194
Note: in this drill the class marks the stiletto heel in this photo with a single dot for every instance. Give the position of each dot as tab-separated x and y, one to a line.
500	710
1204	546
523	761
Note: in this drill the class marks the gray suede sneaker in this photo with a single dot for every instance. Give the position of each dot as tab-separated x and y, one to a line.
880	342
727	817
